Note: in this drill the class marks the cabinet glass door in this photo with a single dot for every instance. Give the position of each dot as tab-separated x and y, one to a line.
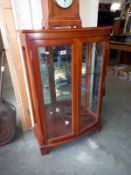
92	56
56	76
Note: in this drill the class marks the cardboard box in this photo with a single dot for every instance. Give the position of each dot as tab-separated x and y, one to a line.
124	72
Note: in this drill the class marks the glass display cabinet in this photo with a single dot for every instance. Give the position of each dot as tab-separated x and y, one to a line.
65	70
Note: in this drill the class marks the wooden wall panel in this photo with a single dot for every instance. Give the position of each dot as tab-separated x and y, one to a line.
7	3
9	36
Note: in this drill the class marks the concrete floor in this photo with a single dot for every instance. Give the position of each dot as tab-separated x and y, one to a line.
107	153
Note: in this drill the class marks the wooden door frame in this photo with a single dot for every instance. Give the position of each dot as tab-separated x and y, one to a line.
37	86
17	72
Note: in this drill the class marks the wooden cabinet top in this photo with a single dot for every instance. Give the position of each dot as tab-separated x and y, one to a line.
67	33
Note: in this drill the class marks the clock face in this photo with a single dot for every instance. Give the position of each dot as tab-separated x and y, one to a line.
64	3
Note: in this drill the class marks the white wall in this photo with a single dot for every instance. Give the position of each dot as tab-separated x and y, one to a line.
89	12
22	15
36	13
28	13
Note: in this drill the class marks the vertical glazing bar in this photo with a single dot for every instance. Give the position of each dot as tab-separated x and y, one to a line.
88	70
92	75
77	87
102	79
50	62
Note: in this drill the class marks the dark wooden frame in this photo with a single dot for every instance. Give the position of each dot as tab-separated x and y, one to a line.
75	37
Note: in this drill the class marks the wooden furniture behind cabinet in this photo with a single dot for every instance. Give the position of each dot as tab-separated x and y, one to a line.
124	49
66	69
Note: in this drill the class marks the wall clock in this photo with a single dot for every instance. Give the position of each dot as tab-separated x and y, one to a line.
61	13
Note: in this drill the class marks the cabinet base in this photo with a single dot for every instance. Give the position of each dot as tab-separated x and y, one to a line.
44	149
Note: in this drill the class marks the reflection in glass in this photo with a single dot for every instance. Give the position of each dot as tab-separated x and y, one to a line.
91	71
56	71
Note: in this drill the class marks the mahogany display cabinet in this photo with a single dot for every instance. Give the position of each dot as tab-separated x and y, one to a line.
65	71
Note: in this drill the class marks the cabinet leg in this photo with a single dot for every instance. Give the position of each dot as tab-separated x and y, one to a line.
44	151
99	129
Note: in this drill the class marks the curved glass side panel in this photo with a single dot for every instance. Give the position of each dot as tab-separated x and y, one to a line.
92	56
